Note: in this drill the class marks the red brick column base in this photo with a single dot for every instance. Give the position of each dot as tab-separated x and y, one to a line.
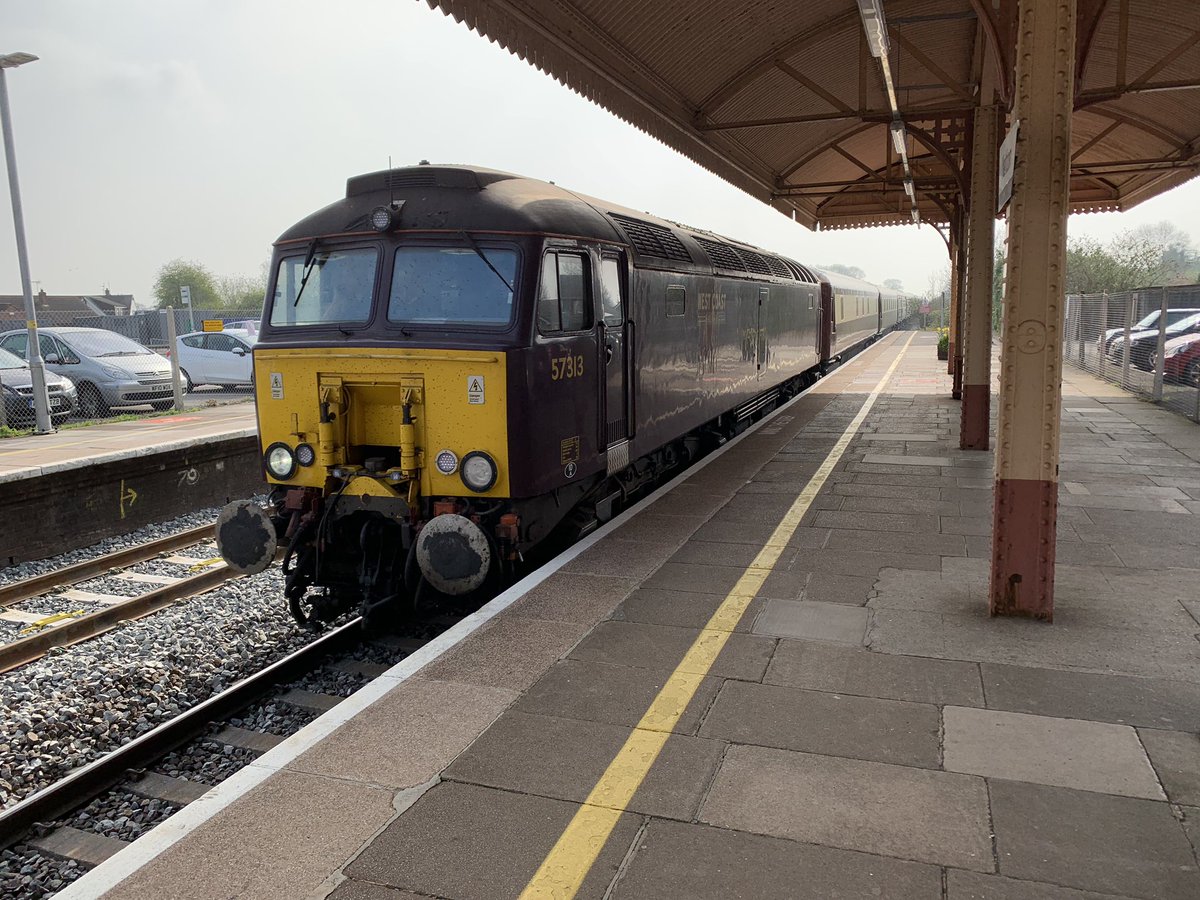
957	372
1023	548
976	410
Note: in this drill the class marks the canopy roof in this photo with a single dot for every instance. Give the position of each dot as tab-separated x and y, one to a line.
784	99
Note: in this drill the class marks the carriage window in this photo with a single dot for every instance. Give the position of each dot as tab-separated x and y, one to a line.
676	301
339	288
564	299
453	286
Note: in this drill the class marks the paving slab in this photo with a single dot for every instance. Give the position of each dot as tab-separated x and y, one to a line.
1176	758
679	608
1089	756
1096	842
327	821
829	587
409	735
963	885
628	559
916	814
1152	702
674	859
826	667
564	758
475	843
663	647
812	621
832	724
598	692
575	597
351	889
509	652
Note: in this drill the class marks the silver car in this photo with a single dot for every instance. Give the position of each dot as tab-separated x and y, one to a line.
108	369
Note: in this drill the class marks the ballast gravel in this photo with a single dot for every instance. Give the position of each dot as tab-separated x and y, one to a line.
27	875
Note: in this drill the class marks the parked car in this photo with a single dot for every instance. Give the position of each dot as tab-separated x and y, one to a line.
215	357
16	386
1181	359
108	369
1143	344
251	326
1150	322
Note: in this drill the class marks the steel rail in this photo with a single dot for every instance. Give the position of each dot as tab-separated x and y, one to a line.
83	785
81	571
26	650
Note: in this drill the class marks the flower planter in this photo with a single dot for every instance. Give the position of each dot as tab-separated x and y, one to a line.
943	352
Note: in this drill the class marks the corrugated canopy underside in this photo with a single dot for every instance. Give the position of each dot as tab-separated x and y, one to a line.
782	98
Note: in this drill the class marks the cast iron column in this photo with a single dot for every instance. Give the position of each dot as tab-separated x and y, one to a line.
1026	507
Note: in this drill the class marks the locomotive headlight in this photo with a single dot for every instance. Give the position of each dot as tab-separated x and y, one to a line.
385	218
446	462
280	461
305	455
478	471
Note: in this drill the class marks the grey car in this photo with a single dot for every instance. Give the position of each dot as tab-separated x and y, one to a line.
16	388
108	369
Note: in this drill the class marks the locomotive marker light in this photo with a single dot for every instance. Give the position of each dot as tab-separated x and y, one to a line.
280	461
447	462
478	471
385	218
306	455
453	554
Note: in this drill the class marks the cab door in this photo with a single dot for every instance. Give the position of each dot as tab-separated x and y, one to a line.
614	333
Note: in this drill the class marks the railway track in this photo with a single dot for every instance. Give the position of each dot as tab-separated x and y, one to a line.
43	632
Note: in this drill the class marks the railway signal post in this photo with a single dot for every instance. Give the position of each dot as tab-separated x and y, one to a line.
1027	439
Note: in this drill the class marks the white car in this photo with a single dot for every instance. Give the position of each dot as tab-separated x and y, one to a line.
216	357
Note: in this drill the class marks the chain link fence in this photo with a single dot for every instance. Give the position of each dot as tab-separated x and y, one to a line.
1147	341
104	366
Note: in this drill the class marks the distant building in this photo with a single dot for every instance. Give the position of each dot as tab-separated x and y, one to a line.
12	306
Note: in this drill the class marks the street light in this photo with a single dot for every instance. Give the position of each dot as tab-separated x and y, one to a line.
41	403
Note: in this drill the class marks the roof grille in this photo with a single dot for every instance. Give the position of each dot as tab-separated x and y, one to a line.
649	239
779	268
754	262
410	179
723	256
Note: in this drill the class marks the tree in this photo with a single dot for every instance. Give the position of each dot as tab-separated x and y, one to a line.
852	271
999	268
180	272
242	291
893	284
1145	256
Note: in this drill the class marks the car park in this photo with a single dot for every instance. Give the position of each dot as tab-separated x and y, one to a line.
108	369
1181	359
1148	323
216	357
16	388
1144	344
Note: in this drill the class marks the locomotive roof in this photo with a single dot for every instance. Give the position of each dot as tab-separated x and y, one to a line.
463	198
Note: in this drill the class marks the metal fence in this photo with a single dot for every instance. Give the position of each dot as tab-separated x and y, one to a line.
1147	341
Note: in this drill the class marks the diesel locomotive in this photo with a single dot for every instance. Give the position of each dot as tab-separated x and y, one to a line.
457	365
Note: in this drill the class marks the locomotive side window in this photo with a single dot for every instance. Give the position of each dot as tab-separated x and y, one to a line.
610	291
453	286
335	286
676	301
564	301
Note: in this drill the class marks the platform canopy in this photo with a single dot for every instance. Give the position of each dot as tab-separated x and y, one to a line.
789	99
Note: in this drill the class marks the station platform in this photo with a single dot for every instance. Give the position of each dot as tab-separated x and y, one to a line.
108	479
775	678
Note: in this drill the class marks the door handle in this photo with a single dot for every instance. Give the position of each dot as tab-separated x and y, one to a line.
608	352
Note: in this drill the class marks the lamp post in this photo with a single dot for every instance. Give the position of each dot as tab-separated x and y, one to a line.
41	403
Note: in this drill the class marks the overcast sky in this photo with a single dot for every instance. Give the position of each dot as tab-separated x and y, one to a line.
203	128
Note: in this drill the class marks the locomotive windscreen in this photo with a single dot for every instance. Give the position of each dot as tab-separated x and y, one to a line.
330	286
452	285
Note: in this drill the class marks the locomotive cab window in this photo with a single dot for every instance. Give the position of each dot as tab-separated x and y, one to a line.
453	286
676	301
331	286
564	301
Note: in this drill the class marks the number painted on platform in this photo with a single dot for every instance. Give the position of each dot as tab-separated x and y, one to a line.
188	477
563	367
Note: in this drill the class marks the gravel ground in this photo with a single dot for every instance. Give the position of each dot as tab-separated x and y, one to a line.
27	875
205	762
108	545
121	815
79	702
274	717
51	605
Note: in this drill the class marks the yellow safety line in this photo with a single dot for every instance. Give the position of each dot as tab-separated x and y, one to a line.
562	872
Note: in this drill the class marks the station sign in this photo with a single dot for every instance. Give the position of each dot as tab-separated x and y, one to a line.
213	325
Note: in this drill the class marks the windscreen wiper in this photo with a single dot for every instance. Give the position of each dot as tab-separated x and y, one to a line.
309	259
475	247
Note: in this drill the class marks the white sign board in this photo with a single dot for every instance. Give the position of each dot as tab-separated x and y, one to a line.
474	389
185	294
1008	164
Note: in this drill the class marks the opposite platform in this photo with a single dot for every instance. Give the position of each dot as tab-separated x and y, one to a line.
789	659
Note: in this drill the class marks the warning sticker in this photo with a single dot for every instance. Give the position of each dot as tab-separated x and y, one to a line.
276	385
474	389
568	450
